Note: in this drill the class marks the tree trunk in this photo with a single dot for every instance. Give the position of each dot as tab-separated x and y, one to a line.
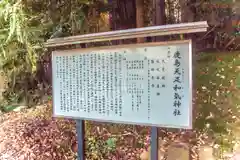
123	15
140	17
159	16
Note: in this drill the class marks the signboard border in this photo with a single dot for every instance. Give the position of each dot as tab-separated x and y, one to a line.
189	42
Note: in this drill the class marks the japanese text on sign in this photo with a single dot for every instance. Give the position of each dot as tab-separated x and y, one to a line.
146	84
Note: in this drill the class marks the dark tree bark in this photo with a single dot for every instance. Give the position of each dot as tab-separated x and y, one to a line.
159	16
140	17
122	16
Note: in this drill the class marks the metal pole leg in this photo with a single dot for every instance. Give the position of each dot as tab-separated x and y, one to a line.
80	138
154	143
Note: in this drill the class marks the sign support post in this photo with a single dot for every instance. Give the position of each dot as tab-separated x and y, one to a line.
148	84
80	127
154	143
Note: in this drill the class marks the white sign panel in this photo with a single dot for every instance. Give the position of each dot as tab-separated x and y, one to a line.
147	84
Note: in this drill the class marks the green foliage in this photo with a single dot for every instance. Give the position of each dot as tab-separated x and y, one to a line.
24	26
99	148
99	144
238	81
111	144
217	96
21	42
19	35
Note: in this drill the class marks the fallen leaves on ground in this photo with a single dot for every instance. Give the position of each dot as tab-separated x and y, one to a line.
35	138
34	135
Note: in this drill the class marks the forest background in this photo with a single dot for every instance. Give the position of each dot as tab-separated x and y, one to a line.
25	66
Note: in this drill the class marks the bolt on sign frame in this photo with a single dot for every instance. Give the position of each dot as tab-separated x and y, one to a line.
145	84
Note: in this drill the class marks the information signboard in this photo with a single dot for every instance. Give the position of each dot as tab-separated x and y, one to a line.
145	84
